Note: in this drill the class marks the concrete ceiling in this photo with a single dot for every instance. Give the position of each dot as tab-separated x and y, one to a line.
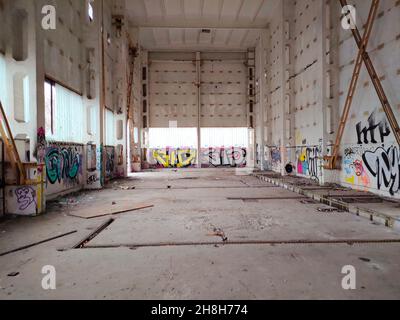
179	24
154	39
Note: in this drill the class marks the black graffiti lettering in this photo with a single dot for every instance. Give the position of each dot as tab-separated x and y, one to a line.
312	159
384	165
362	133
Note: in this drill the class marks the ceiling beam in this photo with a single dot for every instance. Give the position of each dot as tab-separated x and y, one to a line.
258	11
238	12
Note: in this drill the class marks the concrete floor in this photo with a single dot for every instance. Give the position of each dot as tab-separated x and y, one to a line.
115	265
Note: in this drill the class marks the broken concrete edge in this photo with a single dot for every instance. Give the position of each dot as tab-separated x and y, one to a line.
90	236
370	214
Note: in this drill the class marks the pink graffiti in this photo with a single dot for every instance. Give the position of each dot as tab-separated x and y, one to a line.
358	168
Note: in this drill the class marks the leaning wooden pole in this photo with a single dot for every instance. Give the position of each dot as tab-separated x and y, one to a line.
9	142
378	88
353	84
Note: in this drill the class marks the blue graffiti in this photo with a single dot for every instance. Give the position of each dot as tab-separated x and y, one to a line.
62	163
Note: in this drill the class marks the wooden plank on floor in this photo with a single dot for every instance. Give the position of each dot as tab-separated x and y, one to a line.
101	210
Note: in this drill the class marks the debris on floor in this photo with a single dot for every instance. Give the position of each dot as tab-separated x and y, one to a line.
329	210
219	233
365	259
127	188
13	274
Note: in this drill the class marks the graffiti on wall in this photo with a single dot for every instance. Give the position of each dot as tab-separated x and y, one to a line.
308	162
384	165
367	134
353	167
187	157
219	157
273	158
92	178
63	164
369	166
26	196
91	164
276	159
91	161
110	162
172	158
41	145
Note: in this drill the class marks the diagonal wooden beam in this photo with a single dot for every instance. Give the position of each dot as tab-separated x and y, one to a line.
377	84
8	140
353	84
362	55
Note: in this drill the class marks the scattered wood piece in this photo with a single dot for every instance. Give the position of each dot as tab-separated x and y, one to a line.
13	274
106	209
37	243
218	232
365	259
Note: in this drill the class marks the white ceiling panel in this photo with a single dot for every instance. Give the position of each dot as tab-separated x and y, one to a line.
237	37
268	8
166	24
230	9
221	36
250	9
176	36
148	34
193	39
211	9
154	9
200	13
161	36
192	36
192	9
173	8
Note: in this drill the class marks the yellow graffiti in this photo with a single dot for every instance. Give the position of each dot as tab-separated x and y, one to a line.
303	156
350	180
175	158
186	158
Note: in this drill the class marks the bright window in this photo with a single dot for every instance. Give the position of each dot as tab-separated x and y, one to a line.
224	137
172	137
64	114
110	128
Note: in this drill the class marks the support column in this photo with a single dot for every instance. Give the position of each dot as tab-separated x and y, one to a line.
198	84
323	98
288	141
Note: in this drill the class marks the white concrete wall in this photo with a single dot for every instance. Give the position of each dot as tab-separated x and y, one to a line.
301	131
364	166
71	56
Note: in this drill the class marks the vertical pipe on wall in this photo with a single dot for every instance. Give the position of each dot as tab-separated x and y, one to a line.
198	84
322	92
102	98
